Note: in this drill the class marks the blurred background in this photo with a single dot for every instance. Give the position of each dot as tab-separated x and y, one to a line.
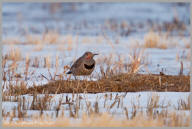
124	19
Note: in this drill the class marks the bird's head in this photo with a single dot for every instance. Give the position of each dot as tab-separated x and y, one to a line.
89	55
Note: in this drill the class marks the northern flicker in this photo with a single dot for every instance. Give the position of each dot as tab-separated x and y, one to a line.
84	65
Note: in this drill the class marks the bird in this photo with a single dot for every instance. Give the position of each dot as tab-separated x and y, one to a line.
84	65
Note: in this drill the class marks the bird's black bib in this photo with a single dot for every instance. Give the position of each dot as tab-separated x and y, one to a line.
89	66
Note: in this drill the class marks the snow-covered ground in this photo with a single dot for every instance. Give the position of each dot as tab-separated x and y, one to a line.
87	18
165	100
82	25
157	60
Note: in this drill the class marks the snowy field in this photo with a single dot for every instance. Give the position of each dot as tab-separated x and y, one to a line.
165	100
52	36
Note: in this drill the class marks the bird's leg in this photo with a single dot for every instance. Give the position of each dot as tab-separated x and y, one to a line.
85	78
89	78
75	78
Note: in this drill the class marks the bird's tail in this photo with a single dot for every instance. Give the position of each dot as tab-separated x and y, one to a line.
69	72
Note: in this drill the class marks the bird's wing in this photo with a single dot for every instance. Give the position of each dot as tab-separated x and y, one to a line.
77	63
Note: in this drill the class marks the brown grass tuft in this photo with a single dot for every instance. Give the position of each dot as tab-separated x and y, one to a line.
155	40
14	53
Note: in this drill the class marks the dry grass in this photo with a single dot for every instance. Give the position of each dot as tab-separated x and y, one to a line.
33	39
184	104
68	42
138	59
49	37
111	78
93	116
11	40
116	64
183	55
155	40
39	47
151	40
160	119
104	120
118	83
119	76
14	53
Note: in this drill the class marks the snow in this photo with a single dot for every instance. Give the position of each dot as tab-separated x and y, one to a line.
85	26
94	14
140	99
156	59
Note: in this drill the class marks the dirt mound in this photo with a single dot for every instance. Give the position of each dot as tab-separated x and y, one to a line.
119	83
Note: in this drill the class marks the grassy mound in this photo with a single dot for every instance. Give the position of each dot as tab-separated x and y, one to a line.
118	83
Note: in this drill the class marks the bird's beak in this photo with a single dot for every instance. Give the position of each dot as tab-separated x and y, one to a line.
95	54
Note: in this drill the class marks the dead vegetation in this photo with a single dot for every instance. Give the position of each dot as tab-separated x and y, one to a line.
106	120
120	83
183	55
117	83
157	40
94	115
118	76
121	75
14	53
184	104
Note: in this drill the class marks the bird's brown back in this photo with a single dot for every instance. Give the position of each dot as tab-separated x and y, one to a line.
77	63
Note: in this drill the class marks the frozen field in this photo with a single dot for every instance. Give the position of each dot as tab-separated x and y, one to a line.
52	34
88	18
45	39
53	58
142	100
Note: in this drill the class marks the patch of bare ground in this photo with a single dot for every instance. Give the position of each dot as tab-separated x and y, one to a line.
118	83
